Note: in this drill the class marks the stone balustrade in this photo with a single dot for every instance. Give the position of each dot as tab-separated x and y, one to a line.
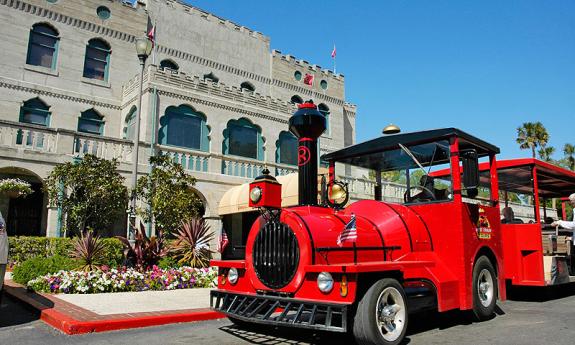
29	137
190	160
102	147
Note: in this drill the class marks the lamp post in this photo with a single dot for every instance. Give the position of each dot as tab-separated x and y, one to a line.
143	48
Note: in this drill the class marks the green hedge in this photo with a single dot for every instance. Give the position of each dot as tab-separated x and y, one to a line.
39	266
24	248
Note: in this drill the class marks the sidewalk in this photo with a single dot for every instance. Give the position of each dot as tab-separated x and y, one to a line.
77	314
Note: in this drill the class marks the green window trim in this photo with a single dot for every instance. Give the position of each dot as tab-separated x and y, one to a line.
103	12
285	138
91	117
172	113
323	84
36	106
37	30
130	122
93	47
243	123
297	75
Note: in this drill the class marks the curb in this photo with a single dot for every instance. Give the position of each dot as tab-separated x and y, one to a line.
72	326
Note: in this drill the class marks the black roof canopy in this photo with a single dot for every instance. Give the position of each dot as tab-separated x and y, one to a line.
380	152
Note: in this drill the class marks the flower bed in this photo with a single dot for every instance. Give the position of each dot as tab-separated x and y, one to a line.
125	280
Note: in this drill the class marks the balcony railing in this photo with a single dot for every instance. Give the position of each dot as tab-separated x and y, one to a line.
29	137
102	147
190	160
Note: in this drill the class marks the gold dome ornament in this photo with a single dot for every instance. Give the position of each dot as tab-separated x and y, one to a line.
391	129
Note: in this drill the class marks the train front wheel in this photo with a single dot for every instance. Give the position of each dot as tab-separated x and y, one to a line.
381	316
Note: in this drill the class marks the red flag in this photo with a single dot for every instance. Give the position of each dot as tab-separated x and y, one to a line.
308	79
333	52
223	241
151	31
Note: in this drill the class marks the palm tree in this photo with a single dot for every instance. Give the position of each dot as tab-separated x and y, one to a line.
569	152
532	135
545	153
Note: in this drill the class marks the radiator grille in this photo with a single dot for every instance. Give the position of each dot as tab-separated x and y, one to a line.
275	255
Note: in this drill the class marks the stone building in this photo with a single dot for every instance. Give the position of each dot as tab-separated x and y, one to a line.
215	97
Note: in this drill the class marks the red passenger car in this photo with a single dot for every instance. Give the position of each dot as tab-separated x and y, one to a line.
439	248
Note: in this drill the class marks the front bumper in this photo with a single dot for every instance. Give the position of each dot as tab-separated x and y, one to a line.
281	311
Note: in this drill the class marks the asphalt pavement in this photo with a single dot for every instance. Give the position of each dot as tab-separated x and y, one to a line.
531	317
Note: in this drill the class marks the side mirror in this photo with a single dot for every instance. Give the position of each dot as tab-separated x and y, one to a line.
470	162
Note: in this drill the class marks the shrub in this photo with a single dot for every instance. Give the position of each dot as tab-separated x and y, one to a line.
146	251
192	245
23	248
38	266
89	251
168	262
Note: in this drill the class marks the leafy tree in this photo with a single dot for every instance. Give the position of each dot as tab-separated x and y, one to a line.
532	135
569	152
545	153
90	192
168	190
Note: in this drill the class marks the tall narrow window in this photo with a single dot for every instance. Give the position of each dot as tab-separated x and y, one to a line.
91	122
184	127
287	148
324	110
247	86
296	99
169	64
43	46
36	112
243	138
97	60
130	124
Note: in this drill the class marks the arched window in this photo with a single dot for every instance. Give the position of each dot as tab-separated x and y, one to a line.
295	99
247	86
183	126
169	64
35	111
130	124
211	77
91	121
243	138
324	109
97	60
43	46
286	148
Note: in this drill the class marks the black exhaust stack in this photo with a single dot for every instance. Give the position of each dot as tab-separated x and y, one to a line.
307	124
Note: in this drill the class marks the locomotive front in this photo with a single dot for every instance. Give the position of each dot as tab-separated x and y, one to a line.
301	268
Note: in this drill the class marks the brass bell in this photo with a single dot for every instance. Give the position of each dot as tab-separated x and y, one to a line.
337	192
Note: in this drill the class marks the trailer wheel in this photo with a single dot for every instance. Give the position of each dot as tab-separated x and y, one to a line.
484	289
381	316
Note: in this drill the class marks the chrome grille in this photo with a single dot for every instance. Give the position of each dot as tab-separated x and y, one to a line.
275	255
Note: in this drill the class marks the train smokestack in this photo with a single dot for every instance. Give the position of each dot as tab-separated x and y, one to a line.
307	124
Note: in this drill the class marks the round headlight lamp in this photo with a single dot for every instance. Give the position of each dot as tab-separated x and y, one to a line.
233	275
325	282
256	194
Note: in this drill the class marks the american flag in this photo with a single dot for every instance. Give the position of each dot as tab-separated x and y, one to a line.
223	241
349	233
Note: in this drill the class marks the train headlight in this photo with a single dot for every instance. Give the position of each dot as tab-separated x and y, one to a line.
325	282
255	194
233	275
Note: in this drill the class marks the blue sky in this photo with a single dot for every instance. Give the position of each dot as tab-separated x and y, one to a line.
482	66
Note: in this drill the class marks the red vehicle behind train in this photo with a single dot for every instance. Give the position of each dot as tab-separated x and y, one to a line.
439	248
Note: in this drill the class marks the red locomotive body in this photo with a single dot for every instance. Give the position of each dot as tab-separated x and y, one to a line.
441	247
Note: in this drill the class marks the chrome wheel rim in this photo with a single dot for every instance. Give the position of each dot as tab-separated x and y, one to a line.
390	314
485	288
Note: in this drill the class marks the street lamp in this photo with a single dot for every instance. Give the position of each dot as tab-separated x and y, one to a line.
143	48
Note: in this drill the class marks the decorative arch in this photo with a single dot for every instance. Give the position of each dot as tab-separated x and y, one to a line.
169	64
286	148
243	138
246	85
184	126
130	124
43	46
324	110
295	99
91	121
97	59
211	76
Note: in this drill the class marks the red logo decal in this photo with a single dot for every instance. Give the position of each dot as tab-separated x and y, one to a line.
303	155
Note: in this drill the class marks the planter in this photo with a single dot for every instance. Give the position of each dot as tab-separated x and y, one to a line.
12	194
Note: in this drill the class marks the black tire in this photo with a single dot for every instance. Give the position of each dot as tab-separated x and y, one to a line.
366	329
484	297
